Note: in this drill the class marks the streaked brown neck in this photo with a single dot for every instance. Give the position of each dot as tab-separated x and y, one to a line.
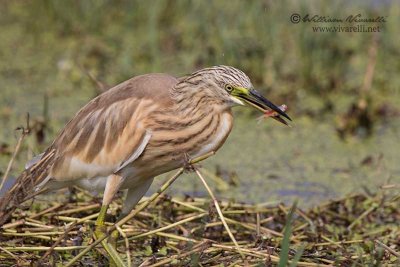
193	95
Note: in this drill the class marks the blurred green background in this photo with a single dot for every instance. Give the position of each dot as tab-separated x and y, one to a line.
342	89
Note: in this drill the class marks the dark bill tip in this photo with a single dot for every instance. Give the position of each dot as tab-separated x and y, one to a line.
264	103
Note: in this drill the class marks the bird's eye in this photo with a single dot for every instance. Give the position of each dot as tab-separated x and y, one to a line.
228	88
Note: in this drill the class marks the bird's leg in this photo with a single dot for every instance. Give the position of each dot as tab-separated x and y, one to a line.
189	167
114	236
100	227
132	198
113	184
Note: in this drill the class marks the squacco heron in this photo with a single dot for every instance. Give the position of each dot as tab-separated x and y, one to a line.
144	127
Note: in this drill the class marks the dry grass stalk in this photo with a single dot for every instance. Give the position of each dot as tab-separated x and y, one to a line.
24	132
221	216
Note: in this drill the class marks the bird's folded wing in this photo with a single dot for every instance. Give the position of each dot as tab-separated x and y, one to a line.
110	131
137	152
102	141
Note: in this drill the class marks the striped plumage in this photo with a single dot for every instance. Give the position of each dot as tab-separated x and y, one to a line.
107	131
144	127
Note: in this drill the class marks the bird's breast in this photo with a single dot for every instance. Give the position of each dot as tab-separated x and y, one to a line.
217	137
176	141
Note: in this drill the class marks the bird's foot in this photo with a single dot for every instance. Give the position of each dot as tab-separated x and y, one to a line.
112	240
187	166
115	259
100	232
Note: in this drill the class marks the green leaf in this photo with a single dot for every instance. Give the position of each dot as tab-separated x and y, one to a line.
284	254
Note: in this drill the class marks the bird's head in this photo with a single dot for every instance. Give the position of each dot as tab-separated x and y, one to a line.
233	87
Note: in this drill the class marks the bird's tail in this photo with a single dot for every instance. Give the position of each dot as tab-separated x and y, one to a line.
26	186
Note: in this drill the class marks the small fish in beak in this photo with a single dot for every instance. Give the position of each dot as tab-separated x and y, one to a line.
273	114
